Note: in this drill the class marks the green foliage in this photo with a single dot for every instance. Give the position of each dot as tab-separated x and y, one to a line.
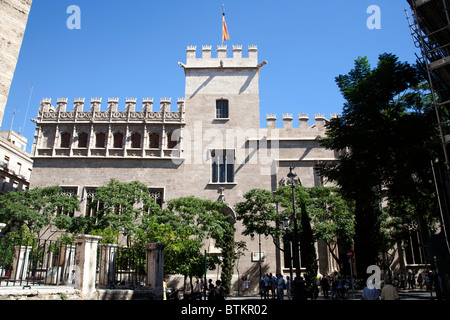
258	213
122	205
387	130
36	208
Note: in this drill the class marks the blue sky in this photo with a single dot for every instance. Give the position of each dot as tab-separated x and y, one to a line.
131	49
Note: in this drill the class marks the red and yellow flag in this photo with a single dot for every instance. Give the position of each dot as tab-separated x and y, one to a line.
225	35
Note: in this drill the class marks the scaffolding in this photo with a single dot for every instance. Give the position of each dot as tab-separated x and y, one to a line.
430	30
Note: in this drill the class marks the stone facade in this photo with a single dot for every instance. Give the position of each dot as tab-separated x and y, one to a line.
13	17
16	164
210	146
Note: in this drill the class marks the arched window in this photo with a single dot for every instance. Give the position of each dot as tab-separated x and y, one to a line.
65	140
172	140
221	109
135	140
154	140
118	140
100	140
82	140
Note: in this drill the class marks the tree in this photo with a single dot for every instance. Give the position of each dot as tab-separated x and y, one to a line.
383	142
332	217
122	207
37	208
183	226
259	215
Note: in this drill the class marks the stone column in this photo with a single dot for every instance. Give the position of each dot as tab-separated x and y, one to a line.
20	262
86	263
155	268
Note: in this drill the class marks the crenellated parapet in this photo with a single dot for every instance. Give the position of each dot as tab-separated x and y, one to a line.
221	59
303	122
60	113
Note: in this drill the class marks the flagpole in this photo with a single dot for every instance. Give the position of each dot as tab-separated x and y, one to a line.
223	15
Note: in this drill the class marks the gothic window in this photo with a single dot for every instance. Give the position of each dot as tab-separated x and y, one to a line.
65	140
156	194
82	140
118	140
154	140
100	140
222	166
135	140
172	140
92	206
221	109
71	192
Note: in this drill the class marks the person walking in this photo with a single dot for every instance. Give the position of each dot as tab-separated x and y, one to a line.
325	284
389	292
288	287
370	293
280	287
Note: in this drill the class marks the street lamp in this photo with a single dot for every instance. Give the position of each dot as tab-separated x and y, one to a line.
292	181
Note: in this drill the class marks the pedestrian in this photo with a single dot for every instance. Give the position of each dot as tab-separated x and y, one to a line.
410	280
217	292
389	292
420	280
245	283
325	284
280	287
370	292
267	286
261	287
288	287
210	290
273	285
334	290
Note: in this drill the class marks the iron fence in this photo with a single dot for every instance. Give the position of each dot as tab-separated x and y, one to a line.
121	267
32	261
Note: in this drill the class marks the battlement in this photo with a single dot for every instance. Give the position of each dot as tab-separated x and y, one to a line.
221	60
48	112
303	120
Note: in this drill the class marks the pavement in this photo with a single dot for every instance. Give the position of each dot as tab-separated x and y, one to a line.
415	294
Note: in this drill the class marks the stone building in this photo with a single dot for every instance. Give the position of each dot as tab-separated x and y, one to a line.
16	164
208	144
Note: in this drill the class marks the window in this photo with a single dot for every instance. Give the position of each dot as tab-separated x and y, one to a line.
154	140
82	140
47	139
221	109
100	140
222	166
92	206
70	192
172	140
118	140
135	140
65	140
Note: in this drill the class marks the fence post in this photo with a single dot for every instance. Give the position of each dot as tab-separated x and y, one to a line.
155	268
86	263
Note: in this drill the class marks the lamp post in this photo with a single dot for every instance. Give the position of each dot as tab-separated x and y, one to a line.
292	181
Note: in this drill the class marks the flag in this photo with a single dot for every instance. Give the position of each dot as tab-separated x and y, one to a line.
225	35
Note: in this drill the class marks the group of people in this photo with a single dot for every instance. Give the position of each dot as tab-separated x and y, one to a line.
336	285
277	287
410	281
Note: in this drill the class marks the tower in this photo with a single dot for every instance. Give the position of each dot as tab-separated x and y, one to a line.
222	91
